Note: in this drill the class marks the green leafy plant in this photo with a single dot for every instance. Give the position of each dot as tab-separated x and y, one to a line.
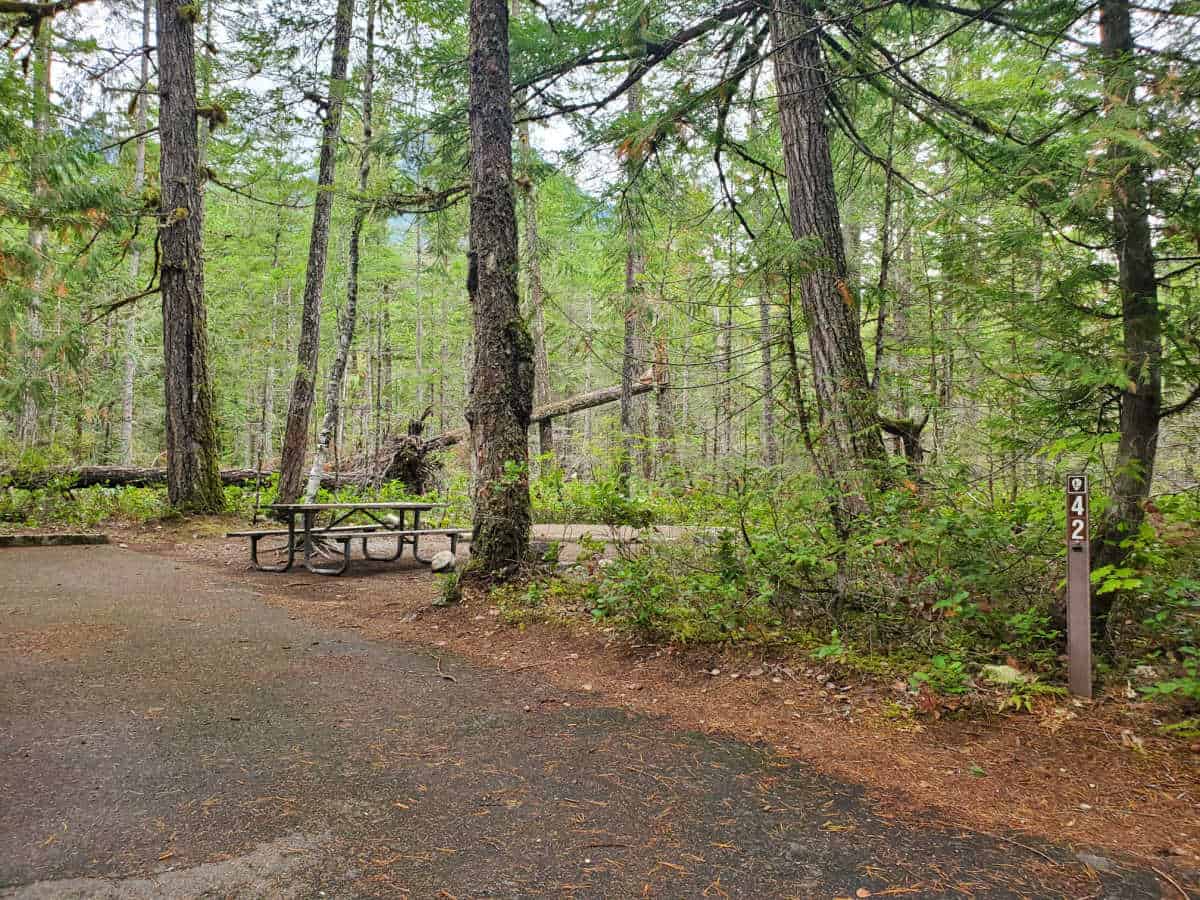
945	675
1186	687
834	650
1023	693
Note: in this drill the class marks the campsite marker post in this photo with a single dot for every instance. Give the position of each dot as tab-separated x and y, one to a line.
1079	599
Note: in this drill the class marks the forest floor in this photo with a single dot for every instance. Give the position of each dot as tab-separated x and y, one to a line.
505	731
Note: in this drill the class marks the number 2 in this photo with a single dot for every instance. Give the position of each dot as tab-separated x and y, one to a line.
1078	530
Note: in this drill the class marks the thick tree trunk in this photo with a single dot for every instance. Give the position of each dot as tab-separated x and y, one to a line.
337	373
1141	401
501	391
295	439
193	482
846	405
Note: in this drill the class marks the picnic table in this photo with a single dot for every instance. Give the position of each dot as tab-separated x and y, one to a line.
387	520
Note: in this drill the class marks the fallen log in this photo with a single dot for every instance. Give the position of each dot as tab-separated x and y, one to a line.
403	459
121	476
547	411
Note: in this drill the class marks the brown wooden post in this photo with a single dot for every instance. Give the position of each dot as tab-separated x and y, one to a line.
1079	600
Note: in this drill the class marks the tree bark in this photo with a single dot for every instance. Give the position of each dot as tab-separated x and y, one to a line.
849	422
337	373
193	482
501	394
1141	401
295	439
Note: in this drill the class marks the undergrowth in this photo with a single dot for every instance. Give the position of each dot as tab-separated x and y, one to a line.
933	583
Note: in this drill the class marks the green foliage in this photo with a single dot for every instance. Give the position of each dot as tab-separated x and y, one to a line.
1185	688
944	675
449	589
557	498
87	507
834	651
700	599
1023	693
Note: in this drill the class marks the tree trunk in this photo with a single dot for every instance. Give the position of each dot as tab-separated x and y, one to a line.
193	482
1141	401
129	375
635	268
501	395
768	441
725	368
295	439
588	422
337	373
846	406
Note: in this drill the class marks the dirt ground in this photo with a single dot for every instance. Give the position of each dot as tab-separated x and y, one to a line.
1090	772
776	782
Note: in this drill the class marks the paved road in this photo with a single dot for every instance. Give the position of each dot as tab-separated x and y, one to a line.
163	733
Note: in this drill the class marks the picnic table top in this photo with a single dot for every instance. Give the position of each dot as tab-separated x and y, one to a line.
313	507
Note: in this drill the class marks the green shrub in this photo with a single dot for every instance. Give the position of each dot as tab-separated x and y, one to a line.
944	675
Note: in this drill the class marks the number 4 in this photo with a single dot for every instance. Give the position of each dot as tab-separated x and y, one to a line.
1077	506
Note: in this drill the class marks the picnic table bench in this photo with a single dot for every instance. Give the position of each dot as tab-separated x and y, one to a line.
387	520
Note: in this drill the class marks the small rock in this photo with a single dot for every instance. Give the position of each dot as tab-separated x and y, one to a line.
1145	673
587	686
714	671
754	673
443	562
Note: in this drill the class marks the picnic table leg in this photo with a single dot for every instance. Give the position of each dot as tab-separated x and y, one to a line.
399	540
291	550
385	558
329	570
416	538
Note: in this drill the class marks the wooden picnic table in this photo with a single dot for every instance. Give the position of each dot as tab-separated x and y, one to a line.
313	536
